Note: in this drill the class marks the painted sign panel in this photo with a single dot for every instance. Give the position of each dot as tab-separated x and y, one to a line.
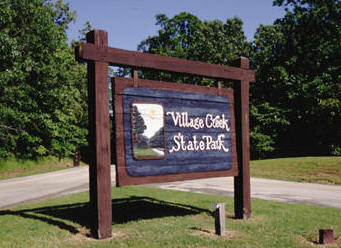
171	132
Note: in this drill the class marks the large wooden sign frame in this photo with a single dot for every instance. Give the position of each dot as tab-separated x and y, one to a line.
123	134
99	56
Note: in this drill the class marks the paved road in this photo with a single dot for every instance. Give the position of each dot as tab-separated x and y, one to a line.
273	190
26	189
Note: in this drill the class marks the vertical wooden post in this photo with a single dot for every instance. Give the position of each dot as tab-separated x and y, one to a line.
113	123
326	236
219	218
219	87
135	76
99	141
242	202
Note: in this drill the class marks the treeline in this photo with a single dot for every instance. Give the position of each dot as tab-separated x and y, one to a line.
295	103
43	108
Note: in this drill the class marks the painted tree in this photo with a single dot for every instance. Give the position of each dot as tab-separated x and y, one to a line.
138	123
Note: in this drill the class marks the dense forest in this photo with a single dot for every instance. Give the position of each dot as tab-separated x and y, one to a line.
295	104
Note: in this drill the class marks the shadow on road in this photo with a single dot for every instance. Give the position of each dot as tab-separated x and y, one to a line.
70	216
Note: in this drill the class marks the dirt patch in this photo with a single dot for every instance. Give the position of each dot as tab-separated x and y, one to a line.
85	235
229	234
313	241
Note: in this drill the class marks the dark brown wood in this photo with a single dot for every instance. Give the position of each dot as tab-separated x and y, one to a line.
76	157
242	201
219	87
161	85
120	57
123	177
135	76
98	55
113	138
99	141
326	236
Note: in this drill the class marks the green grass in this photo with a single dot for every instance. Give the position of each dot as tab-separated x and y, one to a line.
146	217
141	152
17	168
324	170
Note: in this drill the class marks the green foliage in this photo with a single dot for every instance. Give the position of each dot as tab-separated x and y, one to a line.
62	14
267	121
296	102
87	27
41	96
185	36
298	74
267	96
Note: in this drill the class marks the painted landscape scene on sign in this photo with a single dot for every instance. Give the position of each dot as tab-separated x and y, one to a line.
148	130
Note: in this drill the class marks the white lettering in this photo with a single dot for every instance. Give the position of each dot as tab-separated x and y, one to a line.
207	143
217	122
175	119
175	138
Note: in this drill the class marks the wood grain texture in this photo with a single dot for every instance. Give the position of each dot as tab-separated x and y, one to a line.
182	161
121	140
242	189
120	57
99	56
99	141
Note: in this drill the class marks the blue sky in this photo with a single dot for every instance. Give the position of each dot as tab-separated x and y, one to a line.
128	22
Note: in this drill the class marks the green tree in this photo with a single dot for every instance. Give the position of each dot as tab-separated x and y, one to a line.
298	62
62	13
40	104
268	111
186	36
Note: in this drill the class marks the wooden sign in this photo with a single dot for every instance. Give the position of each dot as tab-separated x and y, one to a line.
164	133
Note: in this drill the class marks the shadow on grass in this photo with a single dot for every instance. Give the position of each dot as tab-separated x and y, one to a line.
123	210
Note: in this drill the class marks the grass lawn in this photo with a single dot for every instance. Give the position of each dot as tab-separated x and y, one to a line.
17	168
324	170
141	152
146	217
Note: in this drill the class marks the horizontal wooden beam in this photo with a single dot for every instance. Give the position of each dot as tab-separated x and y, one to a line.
120	57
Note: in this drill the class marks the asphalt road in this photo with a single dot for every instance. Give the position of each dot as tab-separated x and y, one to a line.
34	188
272	190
